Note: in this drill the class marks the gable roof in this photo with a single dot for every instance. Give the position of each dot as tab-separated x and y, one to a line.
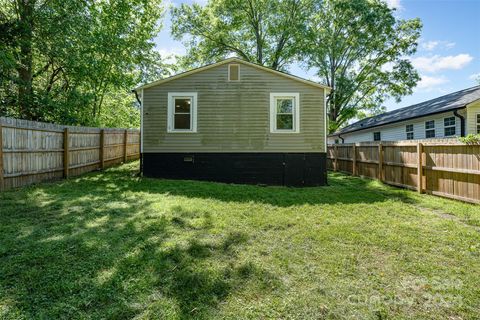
449	102
237	60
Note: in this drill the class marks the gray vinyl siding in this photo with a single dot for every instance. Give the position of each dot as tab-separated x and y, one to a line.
233	116
396	131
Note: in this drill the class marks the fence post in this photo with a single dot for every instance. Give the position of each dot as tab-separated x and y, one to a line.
354	159
66	153
419	167
380	161
335	163
2	183
125	146
102	149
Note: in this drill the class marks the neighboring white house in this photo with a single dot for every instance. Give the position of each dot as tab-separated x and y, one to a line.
455	114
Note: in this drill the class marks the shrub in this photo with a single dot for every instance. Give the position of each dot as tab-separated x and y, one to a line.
470	139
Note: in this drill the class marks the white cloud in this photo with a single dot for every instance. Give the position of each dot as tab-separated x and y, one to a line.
436	44
475	76
315	78
429	45
394	4
436	62
428	83
388	67
168	55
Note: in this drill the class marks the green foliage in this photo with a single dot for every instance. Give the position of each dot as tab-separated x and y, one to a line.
260	31
110	245
470	139
361	50
68	61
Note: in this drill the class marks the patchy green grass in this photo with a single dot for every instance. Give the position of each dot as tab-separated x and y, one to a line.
112	245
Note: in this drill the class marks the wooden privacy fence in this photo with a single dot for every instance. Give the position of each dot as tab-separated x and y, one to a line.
445	168
31	151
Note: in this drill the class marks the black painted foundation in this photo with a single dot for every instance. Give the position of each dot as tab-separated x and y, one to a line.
288	169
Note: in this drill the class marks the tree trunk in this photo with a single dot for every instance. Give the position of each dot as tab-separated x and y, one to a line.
25	65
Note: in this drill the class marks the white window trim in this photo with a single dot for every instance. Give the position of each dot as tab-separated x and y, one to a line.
233	64
434	129
410	131
454	125
296	111
171	109
477	123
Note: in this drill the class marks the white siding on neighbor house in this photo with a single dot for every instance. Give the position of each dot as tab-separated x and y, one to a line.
472	111
397	131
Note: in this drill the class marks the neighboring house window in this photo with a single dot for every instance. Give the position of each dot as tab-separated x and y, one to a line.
430	129
449	126
336	141
182	112
377	136
284	112
478	122
233	72
409	130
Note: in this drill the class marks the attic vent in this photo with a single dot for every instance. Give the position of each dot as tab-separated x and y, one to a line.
233	72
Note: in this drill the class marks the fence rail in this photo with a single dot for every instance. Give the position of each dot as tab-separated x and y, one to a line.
444	168
32	152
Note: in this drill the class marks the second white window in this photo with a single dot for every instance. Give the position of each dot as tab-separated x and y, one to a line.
182	112
285	112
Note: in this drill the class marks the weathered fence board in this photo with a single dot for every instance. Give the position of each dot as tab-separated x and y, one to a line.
31	152
445	167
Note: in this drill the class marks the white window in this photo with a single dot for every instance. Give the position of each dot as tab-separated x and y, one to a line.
409	131
430	129
478	122
182	112
449	126
285	112
233	72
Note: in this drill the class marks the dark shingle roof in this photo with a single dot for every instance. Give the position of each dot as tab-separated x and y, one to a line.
452	101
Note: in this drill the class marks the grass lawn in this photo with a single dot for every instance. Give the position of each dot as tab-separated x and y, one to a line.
115	246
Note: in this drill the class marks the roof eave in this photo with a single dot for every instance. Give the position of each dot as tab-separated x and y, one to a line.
396	121
233	59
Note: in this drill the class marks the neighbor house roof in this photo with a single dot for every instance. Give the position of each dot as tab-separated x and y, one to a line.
449	102
187	73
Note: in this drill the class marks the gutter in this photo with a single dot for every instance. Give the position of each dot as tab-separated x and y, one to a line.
462	122
141	133
136	96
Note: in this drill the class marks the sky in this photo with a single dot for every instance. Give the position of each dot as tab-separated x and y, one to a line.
448	55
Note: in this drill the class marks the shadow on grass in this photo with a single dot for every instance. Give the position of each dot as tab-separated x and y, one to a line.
85	249
94	247
341	189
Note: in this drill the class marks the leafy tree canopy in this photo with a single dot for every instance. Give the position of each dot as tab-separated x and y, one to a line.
360	49
261	31
67	61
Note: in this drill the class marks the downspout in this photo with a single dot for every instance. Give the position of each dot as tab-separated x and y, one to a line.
462	122
341	138
141	111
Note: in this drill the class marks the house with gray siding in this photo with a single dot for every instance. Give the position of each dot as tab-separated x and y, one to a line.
234	121
452	115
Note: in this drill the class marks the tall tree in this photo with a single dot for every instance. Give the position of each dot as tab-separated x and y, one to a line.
360	49
25	9
68	57
260	31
